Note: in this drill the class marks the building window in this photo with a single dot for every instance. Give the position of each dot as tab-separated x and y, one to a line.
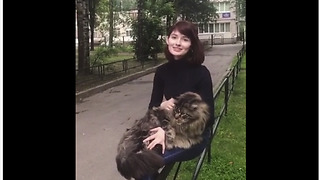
211	27
129	32
205	28
222	27
227	27
117	32
227	6
222	6
200	28
216	27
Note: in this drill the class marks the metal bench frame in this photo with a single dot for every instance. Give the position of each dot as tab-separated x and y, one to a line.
207	151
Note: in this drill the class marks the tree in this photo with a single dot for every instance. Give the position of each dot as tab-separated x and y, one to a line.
240	6
138	29
92	12
127	5
83	37
148	29
111	23
103	22
195	10
102	18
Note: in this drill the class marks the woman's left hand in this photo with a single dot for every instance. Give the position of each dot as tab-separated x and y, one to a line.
157	138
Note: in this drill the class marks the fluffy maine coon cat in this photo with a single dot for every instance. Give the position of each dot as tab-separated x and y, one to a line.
183	126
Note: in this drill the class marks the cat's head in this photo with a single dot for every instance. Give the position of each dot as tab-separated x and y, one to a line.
189	107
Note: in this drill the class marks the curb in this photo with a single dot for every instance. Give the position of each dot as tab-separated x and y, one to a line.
100	88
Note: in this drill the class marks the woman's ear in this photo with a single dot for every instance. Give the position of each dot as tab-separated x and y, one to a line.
167	40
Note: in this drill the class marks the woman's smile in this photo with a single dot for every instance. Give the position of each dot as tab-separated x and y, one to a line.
177	49
178	44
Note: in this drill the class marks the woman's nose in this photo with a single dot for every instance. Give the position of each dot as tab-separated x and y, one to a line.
178	42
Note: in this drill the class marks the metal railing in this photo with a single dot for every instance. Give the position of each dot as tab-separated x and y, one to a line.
223	92
122	66
113	70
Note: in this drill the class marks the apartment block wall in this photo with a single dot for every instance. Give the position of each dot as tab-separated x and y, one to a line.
228	16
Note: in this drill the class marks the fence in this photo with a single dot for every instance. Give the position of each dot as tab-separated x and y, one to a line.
221	98
220	39
109	71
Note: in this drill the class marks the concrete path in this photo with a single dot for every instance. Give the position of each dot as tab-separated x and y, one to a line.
101	119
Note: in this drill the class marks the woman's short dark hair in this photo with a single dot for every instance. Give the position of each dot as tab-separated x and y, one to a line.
196	51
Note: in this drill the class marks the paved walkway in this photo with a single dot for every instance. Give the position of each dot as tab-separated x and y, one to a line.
102	118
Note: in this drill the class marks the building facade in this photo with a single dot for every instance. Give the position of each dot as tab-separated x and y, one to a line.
224	30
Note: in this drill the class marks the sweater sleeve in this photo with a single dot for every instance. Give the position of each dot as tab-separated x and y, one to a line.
205	89
157	91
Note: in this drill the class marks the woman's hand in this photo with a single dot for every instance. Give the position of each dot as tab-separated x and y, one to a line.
157	138
168	105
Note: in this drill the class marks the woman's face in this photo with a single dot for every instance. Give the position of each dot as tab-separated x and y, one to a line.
178	44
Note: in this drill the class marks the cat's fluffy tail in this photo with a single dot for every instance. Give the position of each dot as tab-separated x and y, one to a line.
139	164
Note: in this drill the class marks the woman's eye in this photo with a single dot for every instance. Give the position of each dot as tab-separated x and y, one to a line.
185	39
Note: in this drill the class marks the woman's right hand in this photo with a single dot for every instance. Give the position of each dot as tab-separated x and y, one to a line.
168	105
158	137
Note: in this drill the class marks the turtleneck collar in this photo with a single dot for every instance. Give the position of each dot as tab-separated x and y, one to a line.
182	61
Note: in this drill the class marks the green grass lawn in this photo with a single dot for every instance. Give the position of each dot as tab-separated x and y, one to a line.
229	144
118	57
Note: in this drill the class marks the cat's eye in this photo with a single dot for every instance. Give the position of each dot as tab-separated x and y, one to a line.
185	115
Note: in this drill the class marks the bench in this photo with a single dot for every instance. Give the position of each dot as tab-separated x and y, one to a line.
207	151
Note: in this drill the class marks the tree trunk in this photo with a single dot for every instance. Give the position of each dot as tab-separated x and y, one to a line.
168	23
140	29
111	23
83	37
92	20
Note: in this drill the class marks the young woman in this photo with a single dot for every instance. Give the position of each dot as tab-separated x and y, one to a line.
183	72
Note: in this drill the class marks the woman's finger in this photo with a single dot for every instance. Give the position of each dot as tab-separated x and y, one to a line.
155	129
149	138
163	147
151	145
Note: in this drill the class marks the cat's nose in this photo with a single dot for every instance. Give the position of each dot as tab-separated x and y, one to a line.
177	115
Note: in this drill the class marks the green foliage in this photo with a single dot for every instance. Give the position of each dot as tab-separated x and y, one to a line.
102	16
196	11
124	48
102	11
152	26
152	31
102	23
159	8
127	5
101	53
166	9
240	7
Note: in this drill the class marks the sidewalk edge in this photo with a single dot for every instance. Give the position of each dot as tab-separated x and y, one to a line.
100	88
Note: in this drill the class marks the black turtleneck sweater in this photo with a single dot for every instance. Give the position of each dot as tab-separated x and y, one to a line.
176	77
